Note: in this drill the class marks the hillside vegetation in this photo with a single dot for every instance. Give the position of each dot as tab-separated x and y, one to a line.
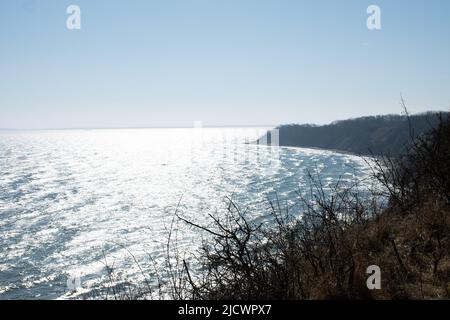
325	253
377	135
323	247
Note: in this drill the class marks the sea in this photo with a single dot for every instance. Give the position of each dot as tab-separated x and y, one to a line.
75	204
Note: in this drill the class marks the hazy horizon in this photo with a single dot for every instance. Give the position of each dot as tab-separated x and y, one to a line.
216	126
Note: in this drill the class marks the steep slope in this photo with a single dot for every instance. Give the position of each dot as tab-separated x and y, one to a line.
367	135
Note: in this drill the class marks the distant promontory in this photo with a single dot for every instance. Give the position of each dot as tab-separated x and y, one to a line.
372	135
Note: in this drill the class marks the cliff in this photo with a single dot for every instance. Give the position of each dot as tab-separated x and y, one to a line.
387	134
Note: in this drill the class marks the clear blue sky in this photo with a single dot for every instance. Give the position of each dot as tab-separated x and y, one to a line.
224	62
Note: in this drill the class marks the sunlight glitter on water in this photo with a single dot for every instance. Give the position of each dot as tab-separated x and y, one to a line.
71	199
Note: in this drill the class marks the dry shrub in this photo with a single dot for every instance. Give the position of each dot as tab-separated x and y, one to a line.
322	251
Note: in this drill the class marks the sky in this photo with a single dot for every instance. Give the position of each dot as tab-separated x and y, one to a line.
169	63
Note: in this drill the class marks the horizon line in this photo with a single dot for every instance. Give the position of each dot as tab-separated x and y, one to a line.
218	126
137	127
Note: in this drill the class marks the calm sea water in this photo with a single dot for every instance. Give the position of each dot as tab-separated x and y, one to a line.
72	202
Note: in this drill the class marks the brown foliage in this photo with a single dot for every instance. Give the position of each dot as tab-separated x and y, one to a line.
324	253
